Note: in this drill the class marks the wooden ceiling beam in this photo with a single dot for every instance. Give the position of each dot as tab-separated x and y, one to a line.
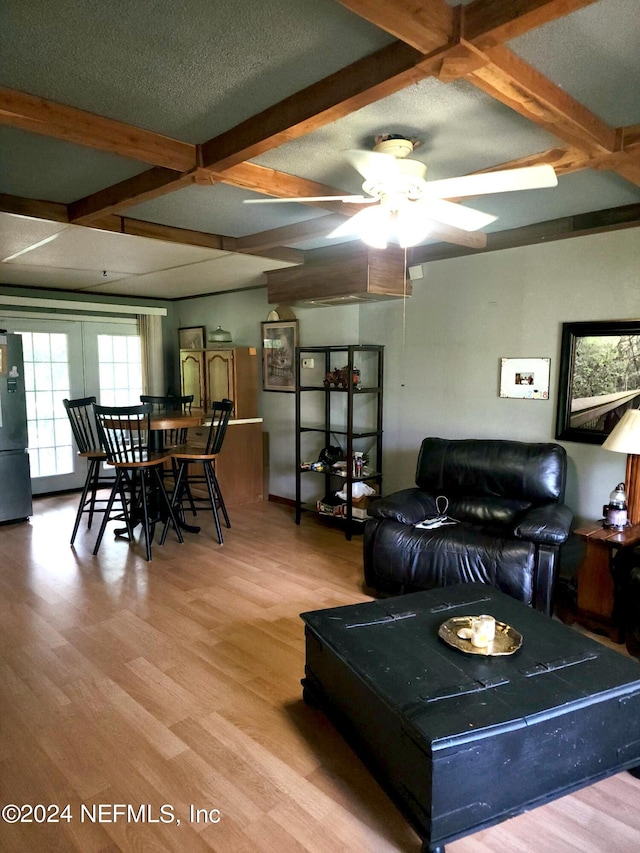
259	179
630	138
83	128
564	161
426	25
36	209
625	165
54	212
296	233
487	23
171	234
480	58
362	83
595	222
515	83
143	187
185	236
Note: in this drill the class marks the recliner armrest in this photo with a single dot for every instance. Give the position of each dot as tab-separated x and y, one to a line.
549	524
408	506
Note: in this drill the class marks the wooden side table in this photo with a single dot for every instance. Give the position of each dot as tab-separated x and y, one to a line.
595	578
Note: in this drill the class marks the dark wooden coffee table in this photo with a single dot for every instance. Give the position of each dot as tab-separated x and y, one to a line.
461	742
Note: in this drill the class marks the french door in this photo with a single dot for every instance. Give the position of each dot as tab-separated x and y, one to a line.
71	358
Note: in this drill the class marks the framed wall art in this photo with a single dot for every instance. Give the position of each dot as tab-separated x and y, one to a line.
191	337
279	342
599	378
525	378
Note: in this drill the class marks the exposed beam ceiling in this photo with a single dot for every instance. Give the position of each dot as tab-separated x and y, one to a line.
434	39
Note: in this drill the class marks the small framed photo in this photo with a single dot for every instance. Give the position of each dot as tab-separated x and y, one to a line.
191	337
525	378
279	342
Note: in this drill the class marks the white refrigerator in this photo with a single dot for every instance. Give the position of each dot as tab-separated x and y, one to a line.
15	479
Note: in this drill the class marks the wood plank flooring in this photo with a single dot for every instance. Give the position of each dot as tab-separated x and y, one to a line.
175	685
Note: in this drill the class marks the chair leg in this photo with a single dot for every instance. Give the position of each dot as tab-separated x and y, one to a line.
117	488
83	500
209	477
145	512
171	516
219	495
95	482
187	490
174	503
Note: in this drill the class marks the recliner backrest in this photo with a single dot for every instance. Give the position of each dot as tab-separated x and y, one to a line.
516	471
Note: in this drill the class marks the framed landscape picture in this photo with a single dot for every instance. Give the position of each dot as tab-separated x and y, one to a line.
599	378
279	342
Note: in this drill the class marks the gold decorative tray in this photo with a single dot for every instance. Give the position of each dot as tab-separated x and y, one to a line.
506	642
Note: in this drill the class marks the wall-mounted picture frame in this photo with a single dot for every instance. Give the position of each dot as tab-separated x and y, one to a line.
525	378
191	337
279	342
599	378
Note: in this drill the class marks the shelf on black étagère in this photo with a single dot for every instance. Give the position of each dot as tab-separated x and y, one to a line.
344	384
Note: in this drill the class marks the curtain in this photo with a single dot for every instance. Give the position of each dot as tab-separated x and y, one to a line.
150	328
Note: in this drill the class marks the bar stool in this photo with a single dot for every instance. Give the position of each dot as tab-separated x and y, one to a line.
172	437
206	456
124	435
80	413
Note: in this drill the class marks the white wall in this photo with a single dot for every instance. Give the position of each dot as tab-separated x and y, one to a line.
464	315
467	313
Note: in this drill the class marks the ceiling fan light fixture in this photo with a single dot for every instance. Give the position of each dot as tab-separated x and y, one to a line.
410	229
373	226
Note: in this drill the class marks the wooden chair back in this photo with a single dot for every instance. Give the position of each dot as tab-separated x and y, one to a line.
169	403
83	425
124	433
220	414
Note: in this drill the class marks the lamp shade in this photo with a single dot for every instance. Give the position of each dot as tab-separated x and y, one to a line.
625	436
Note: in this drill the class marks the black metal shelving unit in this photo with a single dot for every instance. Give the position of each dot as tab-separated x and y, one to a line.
349	414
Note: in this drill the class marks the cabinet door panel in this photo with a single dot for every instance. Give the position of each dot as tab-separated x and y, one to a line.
192	376
220	376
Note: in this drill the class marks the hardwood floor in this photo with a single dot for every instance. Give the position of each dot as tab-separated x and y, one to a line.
175	684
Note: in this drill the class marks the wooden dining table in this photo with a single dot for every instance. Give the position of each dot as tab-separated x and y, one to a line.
167	421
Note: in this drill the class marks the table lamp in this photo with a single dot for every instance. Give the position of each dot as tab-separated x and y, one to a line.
625	438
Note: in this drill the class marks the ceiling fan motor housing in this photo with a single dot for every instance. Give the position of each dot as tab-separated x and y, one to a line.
408	183
398	146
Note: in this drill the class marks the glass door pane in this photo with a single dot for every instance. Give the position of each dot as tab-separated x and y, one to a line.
47	381
72	359
113	363
120	369
52	352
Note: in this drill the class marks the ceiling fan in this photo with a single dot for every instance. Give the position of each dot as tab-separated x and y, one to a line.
406	203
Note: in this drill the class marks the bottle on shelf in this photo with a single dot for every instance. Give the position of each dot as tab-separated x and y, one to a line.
615	512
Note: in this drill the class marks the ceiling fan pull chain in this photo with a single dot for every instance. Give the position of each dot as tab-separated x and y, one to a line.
404	322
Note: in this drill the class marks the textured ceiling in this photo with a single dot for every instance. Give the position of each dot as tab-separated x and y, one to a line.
193	70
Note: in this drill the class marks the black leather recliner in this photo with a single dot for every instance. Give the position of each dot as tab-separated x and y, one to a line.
507	499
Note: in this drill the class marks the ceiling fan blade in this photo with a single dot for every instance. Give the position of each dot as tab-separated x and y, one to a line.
372	165
506	180
453	214
356	199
